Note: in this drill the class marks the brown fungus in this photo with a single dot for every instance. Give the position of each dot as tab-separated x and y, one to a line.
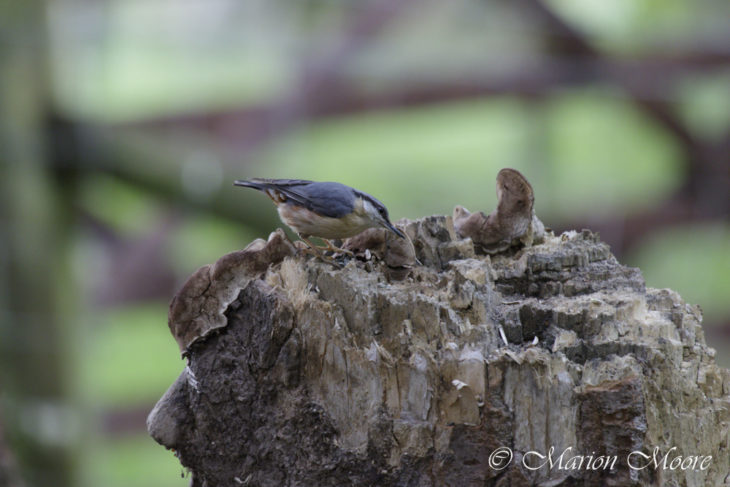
512	223
198	308
397	253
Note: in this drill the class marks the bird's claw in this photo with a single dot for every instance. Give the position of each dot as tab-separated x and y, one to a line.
319	255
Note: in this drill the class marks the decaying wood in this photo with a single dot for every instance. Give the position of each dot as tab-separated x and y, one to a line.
358	376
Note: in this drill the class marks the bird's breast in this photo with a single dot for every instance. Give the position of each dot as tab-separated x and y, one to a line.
308	223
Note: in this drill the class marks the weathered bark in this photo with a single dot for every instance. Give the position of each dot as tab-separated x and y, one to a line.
303	374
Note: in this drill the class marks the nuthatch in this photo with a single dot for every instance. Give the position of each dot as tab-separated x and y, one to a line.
324	210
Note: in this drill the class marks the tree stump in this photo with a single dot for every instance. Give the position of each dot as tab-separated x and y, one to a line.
548	365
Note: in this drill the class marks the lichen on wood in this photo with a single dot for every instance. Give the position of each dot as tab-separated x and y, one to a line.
400	371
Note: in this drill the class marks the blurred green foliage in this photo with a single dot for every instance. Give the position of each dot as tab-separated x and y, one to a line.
134	460
640	25
605	157
135	68
705	103
129	357
126	209
202	239
693	260
427	160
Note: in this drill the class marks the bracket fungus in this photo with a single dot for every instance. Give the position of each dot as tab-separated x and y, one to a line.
512	223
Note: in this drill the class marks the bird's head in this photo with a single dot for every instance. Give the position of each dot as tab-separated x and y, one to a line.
378	213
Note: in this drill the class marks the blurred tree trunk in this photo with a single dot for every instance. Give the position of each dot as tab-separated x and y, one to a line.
32	210
8	469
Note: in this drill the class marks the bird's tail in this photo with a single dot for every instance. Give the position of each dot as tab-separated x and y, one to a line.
260	184
263	184
279	190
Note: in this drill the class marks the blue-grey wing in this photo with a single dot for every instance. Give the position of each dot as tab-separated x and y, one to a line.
334	200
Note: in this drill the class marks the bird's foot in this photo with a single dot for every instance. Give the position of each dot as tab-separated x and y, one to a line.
328	260
315	251
333	248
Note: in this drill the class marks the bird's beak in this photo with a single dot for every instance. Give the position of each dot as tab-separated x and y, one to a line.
392	228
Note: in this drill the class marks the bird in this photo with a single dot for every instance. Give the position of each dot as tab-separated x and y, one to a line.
327	210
